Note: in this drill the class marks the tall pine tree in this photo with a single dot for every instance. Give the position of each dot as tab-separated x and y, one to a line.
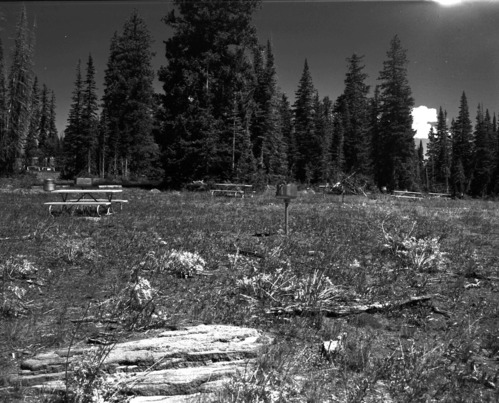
31	151
356	118
462	149
43	126
484	166
54	143
307	139
208	67
396	166
71	141
274	154
20	85
128	101
89	121
444	149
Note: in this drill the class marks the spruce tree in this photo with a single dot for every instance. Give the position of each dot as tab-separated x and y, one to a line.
338	143
396	166
287	127
420	166
43	126
54	144
432	153
306	137
3	113
327	129
20	85
261	97
462	149
444	150
208	66
356	118
274	154
89	121
71	140
127	101
484	154
31	151
377	152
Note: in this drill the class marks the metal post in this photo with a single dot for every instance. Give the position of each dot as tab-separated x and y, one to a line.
286	216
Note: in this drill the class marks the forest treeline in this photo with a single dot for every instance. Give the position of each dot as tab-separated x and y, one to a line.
221	115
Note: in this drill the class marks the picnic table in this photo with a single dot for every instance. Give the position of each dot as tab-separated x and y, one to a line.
404	194
72	198
232	190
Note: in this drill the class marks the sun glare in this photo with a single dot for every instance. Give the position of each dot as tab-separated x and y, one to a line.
449	2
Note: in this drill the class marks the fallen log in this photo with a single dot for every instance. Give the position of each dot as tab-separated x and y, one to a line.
340	311
19	238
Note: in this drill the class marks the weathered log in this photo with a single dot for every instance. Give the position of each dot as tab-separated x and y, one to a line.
339	311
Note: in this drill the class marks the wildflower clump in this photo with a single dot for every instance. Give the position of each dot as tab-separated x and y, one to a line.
15	276
87	381
421	254
184	264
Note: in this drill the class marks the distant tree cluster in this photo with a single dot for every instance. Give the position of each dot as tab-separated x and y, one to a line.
118	142
225	118
28	133
222	116
461	158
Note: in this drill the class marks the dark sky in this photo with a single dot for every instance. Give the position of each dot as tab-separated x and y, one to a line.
450	49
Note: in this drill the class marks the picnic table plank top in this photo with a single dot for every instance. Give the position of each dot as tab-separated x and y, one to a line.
87	191
232	185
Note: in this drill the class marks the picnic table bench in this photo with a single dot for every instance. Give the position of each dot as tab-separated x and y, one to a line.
85	198
68	205
232	190
439	195
403	194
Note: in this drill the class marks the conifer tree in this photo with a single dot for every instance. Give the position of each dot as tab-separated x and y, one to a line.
484	154
396	166
338	142
261	97
20	85
43	126
327	128
432	153
444	150
89	121
356	119
377	152
273	146
244	162
102	143
208	66
80	137
127	101
32	152
71	141
54	145
462	149
3	113
420	166
287	127
306	137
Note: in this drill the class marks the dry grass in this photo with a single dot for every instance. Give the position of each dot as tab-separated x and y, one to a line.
337	254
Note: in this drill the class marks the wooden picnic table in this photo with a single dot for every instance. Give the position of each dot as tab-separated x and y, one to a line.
232	190
84	198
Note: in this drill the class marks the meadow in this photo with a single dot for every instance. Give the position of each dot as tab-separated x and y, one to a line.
409	287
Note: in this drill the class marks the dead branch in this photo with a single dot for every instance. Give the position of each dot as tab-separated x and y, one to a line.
18	238
340	311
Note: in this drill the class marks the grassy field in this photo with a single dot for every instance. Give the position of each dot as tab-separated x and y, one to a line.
411	288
